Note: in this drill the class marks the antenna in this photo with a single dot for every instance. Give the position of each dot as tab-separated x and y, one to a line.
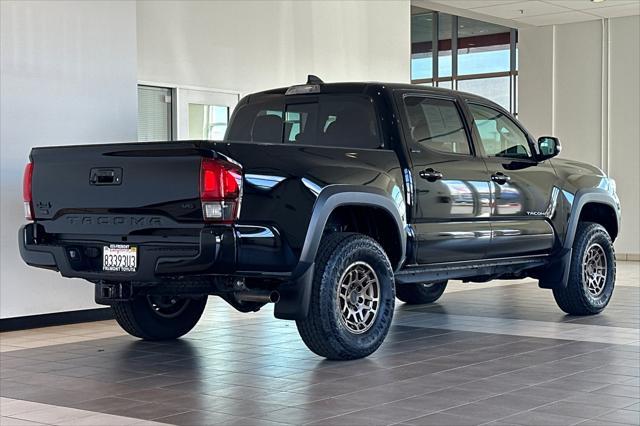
314	79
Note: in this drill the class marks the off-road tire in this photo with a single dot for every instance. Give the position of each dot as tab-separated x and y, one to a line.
324	330
575	298
138	318
420	293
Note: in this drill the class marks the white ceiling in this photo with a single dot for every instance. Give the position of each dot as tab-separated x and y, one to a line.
540	12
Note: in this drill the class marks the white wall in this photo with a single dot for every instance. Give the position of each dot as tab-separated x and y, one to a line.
68	77
254	45
624	125
580	82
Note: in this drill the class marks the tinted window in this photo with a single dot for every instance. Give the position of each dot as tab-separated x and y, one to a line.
259	121
436	124
301	123
500	135
332	120
348	122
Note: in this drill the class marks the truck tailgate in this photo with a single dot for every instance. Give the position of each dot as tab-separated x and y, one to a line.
126	186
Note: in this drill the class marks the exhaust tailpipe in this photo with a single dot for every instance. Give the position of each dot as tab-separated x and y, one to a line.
260	296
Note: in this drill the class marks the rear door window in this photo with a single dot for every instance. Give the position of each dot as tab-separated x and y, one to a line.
436	124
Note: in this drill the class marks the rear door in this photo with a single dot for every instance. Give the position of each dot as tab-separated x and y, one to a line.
452	206
523	191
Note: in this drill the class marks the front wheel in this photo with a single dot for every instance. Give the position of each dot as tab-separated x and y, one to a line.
352	298
592	272
420	293
159	317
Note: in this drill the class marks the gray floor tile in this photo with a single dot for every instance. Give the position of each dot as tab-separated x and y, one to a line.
602	400
538	418
470	358
621	390
629	417
440	419
574	409
196	418
482	411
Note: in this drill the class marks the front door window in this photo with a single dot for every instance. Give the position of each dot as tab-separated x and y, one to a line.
500	136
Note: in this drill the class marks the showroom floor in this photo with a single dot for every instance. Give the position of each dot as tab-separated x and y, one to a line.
495	354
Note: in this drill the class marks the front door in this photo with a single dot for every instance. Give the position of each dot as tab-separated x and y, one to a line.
452	206
523	192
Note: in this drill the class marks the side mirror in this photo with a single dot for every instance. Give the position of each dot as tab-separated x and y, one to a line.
548	147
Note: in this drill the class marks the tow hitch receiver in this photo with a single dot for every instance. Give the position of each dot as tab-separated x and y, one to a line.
108	293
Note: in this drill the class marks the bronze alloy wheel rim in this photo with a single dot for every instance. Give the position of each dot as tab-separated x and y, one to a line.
168	306
358	297
594	269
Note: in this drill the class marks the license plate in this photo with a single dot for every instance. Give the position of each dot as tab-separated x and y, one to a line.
119	258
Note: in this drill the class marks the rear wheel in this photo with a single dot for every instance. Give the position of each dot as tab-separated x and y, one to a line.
593	272
159	317
352	298
420	293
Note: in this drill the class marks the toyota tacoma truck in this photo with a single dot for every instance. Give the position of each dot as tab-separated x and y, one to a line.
327	201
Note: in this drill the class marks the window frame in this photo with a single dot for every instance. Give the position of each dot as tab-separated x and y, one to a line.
171	125
436	79
510	117
415	147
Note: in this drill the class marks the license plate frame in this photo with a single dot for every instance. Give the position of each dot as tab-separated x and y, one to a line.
120	258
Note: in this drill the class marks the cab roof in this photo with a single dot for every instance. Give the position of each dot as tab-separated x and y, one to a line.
366	86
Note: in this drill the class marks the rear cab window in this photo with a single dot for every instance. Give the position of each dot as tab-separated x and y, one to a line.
347	121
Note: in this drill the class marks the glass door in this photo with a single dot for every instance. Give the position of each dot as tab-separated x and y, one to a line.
203	114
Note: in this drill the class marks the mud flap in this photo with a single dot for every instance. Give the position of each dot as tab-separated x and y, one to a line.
295	296
556	273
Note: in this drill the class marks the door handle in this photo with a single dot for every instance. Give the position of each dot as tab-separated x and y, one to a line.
500	178
430	174
102	176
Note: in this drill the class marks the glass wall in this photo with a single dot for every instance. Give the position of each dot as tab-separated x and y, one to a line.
421	46
469	55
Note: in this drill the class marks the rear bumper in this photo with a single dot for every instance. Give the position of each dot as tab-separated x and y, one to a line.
214	253
221	251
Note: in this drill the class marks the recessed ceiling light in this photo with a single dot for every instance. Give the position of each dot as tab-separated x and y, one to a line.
597	1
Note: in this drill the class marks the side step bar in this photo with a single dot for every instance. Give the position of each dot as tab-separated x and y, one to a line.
459	270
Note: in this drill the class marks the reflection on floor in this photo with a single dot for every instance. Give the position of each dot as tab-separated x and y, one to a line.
484	354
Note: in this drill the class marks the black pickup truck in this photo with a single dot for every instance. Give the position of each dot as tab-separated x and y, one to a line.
328	201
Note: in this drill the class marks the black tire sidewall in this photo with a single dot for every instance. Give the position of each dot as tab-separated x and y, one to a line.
418	294
595	234
151	326
354	249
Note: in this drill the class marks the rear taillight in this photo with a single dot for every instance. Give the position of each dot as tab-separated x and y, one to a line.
26	191
220	190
